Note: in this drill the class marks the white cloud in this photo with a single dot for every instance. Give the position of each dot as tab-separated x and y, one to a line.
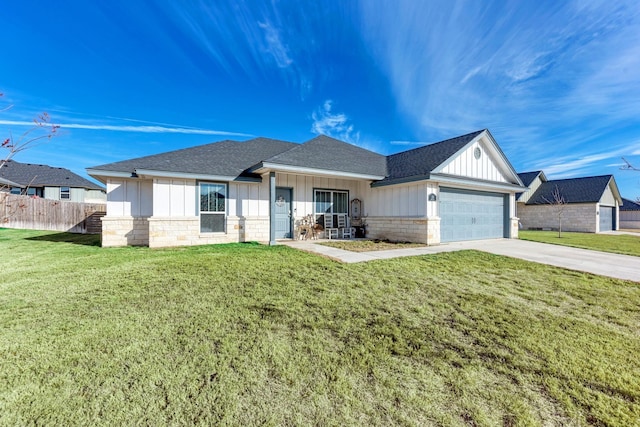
125	128
275	45
333	124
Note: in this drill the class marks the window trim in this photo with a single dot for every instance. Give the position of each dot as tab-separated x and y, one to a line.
66	192
316	214
223	213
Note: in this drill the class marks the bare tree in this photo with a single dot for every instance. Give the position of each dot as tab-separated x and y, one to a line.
42	129
559	205
629	167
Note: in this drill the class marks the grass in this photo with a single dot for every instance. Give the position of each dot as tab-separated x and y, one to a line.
369	245
619	244
246	334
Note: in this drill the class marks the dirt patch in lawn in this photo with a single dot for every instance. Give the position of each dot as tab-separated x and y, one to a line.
370	245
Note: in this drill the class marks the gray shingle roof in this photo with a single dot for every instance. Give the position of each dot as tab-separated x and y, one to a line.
573	190
528	177
224	158
419	162
44	176
323	152
629	205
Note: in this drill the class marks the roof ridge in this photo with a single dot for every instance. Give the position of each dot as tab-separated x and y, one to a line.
439	142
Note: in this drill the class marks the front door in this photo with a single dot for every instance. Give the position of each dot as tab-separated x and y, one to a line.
283	213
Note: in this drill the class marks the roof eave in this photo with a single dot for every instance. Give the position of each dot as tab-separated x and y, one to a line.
478	183
264	167
197	176
403	180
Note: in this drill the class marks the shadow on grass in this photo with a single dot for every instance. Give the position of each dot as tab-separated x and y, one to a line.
76	239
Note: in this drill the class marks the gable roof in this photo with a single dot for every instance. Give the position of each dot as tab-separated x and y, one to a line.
528	177
223	159
416	164
33	175
330	154
574	190
629	205
233	160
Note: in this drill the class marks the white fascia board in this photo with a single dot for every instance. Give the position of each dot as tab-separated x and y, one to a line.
476	183
111	174
264	167
186	175
615	190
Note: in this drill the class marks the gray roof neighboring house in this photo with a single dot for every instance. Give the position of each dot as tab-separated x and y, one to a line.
6	183
33	175
629	205
574	190
528	177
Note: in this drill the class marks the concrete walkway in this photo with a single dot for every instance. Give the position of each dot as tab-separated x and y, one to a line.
602	263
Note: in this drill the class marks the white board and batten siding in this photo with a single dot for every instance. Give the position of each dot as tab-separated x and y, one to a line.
174	197
467	165
303	189
129	198
404	200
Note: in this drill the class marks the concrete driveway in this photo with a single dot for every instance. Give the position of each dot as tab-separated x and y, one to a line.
605	264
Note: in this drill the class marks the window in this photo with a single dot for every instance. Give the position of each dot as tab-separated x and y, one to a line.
65	193
16	190
31	191
213	207
330	202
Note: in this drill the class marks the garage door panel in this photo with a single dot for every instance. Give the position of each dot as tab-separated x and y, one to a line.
467	215
606	218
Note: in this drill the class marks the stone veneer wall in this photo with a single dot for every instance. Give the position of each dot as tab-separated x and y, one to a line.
402	229
165	232
579	217
125	231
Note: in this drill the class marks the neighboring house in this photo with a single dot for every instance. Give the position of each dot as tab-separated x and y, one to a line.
459	189
590	204
49	182
630	214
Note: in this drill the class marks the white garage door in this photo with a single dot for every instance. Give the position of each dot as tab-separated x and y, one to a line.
606	218
471	215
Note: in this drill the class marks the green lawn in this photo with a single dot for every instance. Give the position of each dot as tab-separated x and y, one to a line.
620	244
248	335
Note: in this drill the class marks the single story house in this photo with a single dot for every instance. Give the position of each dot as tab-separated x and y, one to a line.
258	190
588	204
49	183
629	214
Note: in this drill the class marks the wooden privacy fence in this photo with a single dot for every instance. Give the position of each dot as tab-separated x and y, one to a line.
44	214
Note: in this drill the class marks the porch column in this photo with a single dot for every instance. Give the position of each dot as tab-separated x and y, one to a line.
272	208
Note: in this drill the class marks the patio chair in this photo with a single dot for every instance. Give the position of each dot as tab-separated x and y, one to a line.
344	227
329	230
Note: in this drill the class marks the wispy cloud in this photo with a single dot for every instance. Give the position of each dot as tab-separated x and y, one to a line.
274	45
336	125
543	67
128	128
570	166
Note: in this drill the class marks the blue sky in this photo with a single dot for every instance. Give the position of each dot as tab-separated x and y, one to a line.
556	82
